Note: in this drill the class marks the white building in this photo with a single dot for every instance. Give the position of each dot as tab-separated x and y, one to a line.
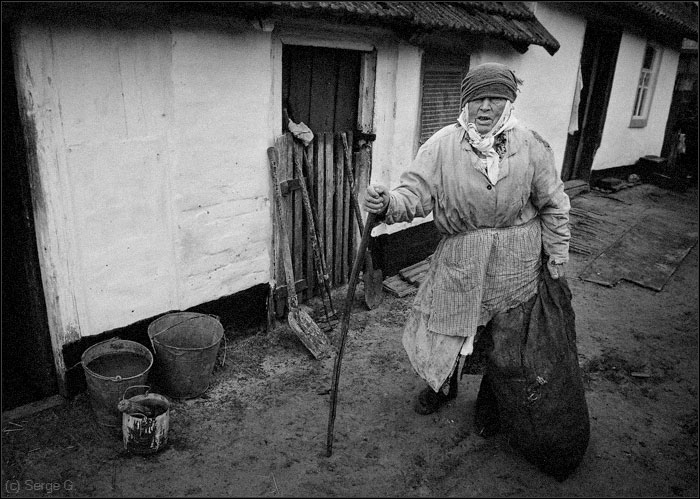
142	164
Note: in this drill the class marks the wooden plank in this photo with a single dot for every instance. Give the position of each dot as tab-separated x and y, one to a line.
32	408
320	182
575	187
409	272
287	167
355	234
299	65
297	202
347	90
328	211
300	285
323	88
365	105
416	275
347	202
647	254
279	265
397	286
417	280
338	209
309	272
285	173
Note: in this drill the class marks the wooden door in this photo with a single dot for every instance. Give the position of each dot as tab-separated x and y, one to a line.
322	165
598	60
320	88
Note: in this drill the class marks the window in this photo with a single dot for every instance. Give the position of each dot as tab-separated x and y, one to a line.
645	87
441	93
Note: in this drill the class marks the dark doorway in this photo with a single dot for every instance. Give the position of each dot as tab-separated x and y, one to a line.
598	59
683	118
28	372
321	88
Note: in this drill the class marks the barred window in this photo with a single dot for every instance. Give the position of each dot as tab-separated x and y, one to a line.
441	95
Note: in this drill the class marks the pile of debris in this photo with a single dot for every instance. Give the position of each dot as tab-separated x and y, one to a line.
408	279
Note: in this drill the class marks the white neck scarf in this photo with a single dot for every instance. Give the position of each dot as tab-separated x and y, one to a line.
484	143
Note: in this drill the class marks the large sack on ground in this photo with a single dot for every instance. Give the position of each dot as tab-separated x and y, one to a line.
543	407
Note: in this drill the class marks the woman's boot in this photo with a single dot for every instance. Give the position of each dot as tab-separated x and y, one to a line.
429	401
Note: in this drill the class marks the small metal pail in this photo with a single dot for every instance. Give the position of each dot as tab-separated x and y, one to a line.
143	434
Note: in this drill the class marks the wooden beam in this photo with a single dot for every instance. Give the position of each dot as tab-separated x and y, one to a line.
338	208
365	105
329	189
32	408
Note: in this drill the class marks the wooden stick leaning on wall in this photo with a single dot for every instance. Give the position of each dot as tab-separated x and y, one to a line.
301	323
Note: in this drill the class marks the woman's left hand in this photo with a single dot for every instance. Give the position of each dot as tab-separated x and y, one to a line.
556	270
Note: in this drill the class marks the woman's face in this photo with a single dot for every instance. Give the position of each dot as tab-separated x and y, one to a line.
484	113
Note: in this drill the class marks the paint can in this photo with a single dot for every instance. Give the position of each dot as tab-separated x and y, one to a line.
146	434
110	368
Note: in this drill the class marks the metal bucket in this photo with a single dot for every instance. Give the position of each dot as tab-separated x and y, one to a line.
110	368
186	345
146	435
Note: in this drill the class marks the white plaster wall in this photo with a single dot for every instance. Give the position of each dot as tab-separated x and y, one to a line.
153	167
221	94
544	102
115	111
621	145
549	82
396	118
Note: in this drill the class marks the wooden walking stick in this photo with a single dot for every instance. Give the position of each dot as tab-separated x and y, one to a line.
356	266
372	277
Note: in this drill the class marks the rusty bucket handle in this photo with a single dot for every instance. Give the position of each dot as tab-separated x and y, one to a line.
181	322
136	386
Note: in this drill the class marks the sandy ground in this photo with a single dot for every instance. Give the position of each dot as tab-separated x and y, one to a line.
260	430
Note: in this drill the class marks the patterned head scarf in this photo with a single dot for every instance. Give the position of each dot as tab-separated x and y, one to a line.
490	79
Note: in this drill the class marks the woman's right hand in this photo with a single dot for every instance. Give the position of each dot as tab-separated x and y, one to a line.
376	199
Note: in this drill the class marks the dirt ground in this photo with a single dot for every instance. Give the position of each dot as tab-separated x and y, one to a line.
260	429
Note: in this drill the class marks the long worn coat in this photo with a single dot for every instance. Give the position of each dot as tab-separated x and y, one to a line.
489	259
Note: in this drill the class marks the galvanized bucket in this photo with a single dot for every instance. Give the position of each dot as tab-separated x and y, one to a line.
110	368
186	345
143	434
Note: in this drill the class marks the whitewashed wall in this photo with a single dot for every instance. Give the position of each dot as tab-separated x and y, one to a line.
549	81
620	144
152	187
544	102
396	118
151	184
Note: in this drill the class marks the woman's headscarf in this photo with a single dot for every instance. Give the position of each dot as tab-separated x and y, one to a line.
496	81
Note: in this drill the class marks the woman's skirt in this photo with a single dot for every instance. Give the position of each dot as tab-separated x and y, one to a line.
472	277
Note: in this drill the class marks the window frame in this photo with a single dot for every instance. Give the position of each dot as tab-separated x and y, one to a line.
640	110
437	61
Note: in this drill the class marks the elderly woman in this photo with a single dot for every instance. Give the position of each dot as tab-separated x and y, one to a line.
499	203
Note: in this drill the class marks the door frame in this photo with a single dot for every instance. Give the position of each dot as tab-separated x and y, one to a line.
23	288
364	125
598	63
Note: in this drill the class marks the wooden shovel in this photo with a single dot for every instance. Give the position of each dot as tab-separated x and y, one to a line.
345	321
301	323
372	278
